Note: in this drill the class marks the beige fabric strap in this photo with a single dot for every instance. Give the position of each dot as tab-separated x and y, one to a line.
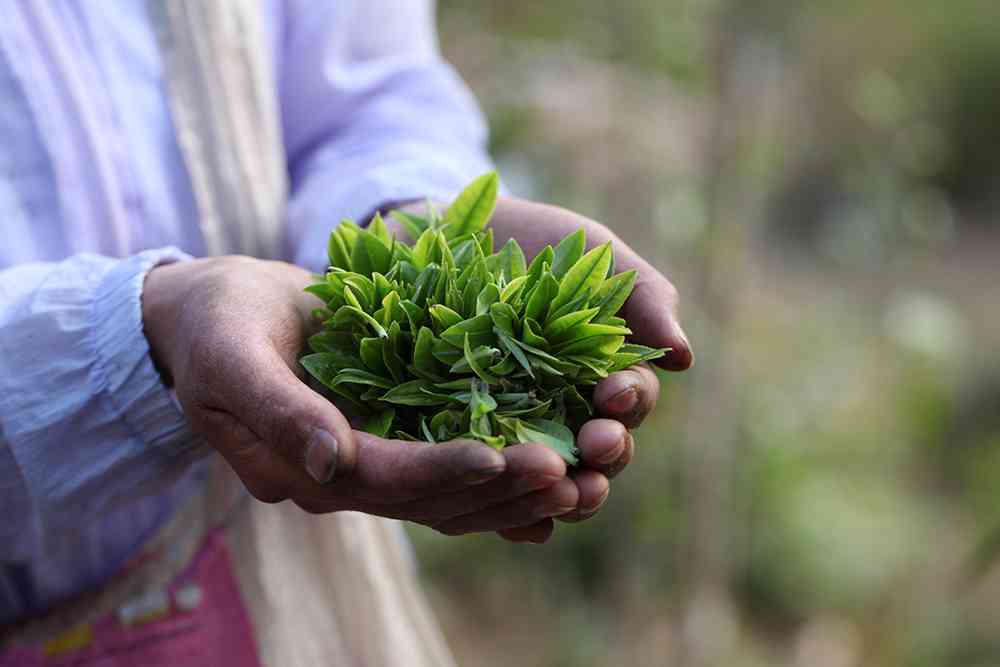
223	101
321	590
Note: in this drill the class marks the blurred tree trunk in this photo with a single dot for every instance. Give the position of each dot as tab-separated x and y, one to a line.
747	78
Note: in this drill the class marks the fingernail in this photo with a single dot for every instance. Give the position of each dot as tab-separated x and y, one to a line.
679	333
613	454
321	456
624	401
587	511
481	476
559	511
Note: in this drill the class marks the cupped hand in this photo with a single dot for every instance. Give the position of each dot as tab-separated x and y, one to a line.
227	333
625	398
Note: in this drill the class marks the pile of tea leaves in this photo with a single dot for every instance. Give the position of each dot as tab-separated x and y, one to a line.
449	338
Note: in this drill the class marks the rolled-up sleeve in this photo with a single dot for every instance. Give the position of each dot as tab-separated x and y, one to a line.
371	115
85	421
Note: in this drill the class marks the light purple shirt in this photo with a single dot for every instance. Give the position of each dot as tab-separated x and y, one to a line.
94	455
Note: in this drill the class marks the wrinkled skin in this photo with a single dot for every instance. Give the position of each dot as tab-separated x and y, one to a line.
227	332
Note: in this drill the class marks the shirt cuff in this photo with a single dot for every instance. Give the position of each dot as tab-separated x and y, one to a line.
124	370
322	205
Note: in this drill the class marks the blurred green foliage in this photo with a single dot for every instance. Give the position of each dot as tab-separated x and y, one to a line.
820	180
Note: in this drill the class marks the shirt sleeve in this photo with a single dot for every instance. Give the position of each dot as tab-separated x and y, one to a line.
371	114
85	421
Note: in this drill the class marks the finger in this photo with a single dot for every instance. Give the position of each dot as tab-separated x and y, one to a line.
536	533
594	489
602	443
558	499
528	468
265	473
651	313
396	471
652	309
260	391
628	396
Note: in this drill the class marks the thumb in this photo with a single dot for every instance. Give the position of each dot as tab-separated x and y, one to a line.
651	312
301	426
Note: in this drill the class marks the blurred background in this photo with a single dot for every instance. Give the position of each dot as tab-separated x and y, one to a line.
822	182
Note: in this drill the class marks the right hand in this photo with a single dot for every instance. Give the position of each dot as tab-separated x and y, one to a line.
227	333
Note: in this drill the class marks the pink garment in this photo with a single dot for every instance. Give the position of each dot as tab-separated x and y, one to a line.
206	625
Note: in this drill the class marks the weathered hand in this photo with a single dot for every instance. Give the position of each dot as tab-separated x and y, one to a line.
624	398
228	331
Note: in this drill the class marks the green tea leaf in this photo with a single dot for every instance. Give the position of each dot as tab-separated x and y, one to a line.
487	297
504	318
413	224
324	366
349	232
476	366
378	229
353	314
585	275
423	352
579	303
479	329
356	376
381	423
327	292
484	356
533	412
504	367
413	393
510	292
390	354
486	242
337	252
480	401
371	355
604	345
613	293
539	265
444	317
596	365
585	330
461	384
389	310
424	249
531	334
414	314
568	252
565	327
363	288
465	252
473	207
551	434
509	262
445	352
445	423
630	355
338	342
545	292
508	343
382	288
370	254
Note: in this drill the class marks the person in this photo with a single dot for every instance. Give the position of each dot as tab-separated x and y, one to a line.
130	354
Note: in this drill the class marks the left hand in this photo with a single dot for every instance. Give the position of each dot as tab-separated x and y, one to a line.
624	398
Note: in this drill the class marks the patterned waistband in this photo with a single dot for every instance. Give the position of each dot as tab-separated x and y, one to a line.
139	585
